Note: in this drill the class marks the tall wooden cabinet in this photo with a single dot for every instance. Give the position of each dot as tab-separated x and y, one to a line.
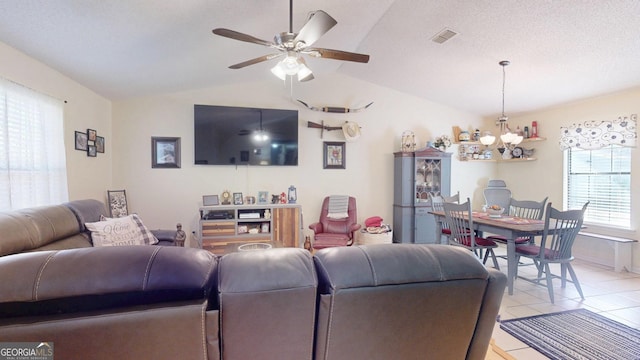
224	227
416	175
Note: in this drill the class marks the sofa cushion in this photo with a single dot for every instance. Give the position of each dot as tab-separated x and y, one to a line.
127	230
29	229
86	210
67	281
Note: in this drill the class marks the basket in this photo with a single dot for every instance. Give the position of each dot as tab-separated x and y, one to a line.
254	246
366	238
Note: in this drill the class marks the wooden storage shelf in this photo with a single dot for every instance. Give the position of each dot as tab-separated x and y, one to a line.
223	228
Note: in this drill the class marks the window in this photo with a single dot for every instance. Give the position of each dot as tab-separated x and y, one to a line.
603	177
32	153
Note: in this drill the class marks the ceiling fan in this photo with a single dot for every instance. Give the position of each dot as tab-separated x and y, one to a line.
292	46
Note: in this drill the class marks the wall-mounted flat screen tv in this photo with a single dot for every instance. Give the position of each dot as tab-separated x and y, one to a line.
226	135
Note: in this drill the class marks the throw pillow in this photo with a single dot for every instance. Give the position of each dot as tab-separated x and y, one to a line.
123	231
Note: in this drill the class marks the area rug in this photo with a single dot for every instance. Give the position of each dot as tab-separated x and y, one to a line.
576	334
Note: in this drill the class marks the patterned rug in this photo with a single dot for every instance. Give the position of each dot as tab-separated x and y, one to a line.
576	334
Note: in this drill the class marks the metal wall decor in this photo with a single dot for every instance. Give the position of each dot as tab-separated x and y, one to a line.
334	109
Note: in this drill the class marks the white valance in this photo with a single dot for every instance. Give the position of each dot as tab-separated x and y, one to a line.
592	135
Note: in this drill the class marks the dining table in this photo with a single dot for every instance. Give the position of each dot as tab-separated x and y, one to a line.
511	227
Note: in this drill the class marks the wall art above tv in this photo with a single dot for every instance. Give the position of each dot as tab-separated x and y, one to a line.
226	135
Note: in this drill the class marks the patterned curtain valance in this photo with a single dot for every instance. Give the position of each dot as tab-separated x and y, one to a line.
592	135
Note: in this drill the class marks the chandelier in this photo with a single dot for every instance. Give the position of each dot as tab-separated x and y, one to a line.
508	140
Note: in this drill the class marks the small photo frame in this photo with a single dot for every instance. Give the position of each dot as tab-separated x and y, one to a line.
210	200
92	134
264	228
165	152
117	203
100	144
263	197
81	140
237	198
334	155
92	151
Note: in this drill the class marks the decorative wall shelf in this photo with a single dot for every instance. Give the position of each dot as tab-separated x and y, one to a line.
466	146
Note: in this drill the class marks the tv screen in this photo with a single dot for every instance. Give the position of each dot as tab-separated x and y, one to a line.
226	135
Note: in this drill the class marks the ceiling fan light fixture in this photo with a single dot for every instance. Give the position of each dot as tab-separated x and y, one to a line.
279	72
304	74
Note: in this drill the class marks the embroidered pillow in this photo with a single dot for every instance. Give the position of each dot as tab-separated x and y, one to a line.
123	231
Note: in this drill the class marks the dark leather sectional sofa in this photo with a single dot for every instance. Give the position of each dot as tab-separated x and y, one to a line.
388	301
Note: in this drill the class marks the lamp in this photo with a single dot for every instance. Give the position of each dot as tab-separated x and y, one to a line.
487	140
291	65
292	194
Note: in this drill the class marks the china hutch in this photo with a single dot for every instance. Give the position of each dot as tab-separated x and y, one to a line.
417	175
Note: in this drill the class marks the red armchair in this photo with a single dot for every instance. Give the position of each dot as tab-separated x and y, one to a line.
330	232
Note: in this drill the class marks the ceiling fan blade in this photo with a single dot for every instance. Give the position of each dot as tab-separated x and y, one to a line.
242	37
337	55
255	61
318	24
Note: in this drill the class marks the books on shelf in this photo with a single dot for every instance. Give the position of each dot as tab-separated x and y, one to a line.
249	215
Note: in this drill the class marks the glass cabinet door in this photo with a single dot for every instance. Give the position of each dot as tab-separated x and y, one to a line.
428	178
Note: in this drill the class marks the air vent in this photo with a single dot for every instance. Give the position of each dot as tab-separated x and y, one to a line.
443	36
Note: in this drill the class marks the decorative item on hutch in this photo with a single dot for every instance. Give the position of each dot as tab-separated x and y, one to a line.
442	143
408	141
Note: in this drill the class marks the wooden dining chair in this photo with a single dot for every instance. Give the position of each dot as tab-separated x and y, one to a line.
497	193
525	209
459	220
560	231
436	201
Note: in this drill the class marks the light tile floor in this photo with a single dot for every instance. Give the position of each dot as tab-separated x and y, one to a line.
612	294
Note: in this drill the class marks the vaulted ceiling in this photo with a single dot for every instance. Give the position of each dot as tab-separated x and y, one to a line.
560	51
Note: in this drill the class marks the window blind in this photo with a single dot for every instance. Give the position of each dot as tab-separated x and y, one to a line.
32	153
602	177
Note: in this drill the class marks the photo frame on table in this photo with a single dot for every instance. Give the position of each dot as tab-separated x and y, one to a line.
100	144
81	140
165	152
263	197
334	155
117	203
210	200
92	134
237	198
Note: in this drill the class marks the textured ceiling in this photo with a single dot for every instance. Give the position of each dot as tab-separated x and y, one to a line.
559	50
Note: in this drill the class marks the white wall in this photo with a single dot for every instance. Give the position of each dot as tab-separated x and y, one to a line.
88	177
535	180
166	196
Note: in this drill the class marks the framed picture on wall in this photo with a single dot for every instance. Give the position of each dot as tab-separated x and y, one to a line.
100	144
92	151
81	140
92	134
165	152
117	203
334	155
